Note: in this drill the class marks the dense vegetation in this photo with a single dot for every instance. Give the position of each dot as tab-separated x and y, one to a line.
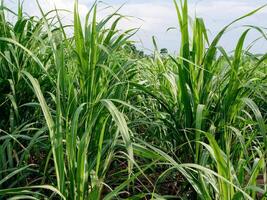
88	116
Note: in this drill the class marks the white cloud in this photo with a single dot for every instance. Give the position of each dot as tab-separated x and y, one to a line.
158	16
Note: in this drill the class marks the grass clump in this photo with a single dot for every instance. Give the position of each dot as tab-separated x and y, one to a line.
88	116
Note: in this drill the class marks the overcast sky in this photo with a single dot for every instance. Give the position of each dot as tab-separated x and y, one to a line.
158	15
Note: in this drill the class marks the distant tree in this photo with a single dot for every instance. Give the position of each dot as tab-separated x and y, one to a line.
141	54
164	51
132	49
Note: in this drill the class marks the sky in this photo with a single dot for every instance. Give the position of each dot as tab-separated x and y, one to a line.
154	17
